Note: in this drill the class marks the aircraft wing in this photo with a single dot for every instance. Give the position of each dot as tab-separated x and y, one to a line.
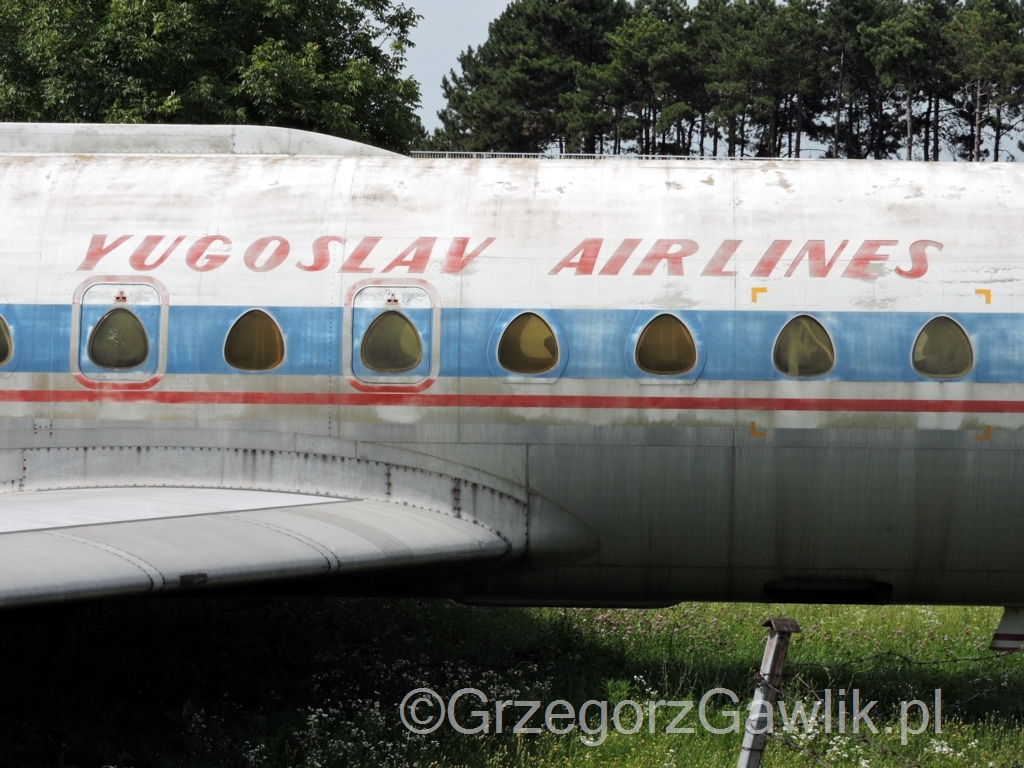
83	543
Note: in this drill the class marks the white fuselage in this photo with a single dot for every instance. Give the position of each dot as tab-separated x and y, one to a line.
731	481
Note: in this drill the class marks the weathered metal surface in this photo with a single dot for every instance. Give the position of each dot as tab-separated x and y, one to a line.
106	138
1009	635
627	487
153	548
52	510
769	677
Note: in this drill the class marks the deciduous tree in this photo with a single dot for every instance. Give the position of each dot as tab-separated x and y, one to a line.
333	66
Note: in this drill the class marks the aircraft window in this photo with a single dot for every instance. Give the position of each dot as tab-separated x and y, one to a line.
119	341
666	347
254	342
528	345
391	344
804	348
6	345
942	350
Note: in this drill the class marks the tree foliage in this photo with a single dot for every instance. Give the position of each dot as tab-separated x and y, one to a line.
333	66
517	88
916	79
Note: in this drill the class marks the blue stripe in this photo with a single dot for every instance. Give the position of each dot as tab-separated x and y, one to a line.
870	346
195	343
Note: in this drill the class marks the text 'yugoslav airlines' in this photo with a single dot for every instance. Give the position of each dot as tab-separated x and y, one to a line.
591	257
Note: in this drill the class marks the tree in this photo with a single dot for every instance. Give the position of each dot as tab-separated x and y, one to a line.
649	72
989	56
861	126
333	66
859	78
794	40
515	91
898	47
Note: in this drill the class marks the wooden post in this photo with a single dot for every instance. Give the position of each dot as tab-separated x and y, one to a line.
756	727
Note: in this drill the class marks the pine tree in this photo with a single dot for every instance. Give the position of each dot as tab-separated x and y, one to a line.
515	92
916	79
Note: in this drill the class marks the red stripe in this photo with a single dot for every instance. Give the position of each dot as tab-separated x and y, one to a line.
173	397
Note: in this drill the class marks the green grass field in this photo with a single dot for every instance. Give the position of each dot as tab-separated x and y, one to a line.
317	682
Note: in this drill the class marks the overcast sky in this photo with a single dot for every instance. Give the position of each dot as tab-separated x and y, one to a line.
447	28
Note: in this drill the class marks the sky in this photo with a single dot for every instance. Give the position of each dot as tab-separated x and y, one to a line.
447	28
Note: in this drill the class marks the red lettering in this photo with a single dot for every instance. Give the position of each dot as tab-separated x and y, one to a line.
321	254
672	252
814	250
723	255
620	257
918	259
457	260
771	258
197	257
274	260
860	266
98	248
137	260
587	251
354	263
415	257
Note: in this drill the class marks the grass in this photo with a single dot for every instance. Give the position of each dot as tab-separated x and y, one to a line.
317	682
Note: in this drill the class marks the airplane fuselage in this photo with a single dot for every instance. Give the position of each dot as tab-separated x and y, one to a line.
735	479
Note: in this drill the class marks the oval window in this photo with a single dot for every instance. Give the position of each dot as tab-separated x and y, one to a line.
666	347
528	345
6	344
804	348
254	342
119	341
391	344
942	350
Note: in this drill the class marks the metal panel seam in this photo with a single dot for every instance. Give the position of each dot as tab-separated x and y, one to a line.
138	562
333	562
390	547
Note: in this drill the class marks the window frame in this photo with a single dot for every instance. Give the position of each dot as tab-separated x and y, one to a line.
112	379
7	366
280	329
782	375
970	343
640	322
504	320
403	382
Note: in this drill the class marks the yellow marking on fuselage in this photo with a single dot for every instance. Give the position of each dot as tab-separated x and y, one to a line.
755	291
986	292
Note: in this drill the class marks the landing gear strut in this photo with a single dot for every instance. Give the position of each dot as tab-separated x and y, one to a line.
1009	634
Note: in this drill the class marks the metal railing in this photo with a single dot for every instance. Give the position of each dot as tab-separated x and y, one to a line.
545	156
